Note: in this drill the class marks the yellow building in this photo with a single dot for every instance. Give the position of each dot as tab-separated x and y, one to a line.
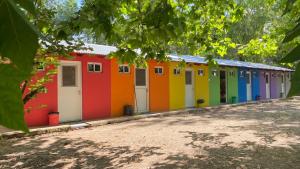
177	86
201	84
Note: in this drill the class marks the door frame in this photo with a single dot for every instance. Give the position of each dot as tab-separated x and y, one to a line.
193	85
147	89
269	80
226	83
59	81
250	79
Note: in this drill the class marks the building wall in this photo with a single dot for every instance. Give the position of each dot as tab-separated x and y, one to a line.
255	83
262	84
279	89
122	89
214	87
201	84
274	85
287	82
232	84
96	89
242	91
158	87
39	107
177	87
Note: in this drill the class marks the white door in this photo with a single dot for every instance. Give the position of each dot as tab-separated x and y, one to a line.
189	89
69	91
249	82
268	93
282	86
141	90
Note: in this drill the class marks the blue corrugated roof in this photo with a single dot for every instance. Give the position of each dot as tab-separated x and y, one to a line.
223	62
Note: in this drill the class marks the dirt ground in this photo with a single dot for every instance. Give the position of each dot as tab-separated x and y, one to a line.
252	136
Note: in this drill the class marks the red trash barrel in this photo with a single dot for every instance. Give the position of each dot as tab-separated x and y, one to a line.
53	118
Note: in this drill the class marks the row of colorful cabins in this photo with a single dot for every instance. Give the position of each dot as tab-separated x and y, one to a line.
95	87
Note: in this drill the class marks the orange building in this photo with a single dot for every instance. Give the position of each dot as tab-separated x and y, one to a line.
122	87
158	86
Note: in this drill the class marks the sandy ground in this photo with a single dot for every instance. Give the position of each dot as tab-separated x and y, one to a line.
252	136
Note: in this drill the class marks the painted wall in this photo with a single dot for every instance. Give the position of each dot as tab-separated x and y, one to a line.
287	82
177	87
42	104
242	81
96	89
122	89
214	87
255	83
274	92
262	84
279	90
158	87
201	84
232	84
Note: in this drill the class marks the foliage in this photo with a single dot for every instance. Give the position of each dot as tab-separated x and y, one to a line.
147	29
292	7
259	49
18	45
23	22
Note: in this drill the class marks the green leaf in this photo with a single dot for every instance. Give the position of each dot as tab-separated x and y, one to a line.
292	34
27	5
295	87
18	43
18	38
292	56
11	104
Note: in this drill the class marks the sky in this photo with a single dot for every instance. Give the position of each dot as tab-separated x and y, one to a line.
79	2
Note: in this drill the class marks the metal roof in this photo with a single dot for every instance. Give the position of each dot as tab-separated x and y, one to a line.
223	62
105	50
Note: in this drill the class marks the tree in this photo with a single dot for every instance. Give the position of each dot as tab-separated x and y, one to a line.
29	34
293	56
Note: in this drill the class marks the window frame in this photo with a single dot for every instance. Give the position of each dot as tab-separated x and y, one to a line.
176	71
159	67
200	72
214	73
94	66
123	68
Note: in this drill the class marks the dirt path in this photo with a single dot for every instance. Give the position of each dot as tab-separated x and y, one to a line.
252	136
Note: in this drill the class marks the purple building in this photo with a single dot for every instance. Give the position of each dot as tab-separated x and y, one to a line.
274	85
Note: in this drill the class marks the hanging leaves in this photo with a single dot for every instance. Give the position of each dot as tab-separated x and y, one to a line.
18	44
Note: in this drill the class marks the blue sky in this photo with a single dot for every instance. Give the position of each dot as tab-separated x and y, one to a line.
79	2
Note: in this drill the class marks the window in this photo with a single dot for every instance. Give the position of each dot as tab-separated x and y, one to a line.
214	72
231	73
94	67
267	78
200	72
140	77
158	70
273	75
176	71
248	78
188	77
68	76
124	69
242	73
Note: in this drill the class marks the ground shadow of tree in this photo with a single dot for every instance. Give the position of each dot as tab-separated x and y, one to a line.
71	153
245	156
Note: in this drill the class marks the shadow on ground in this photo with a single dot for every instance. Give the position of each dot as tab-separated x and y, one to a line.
63	152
